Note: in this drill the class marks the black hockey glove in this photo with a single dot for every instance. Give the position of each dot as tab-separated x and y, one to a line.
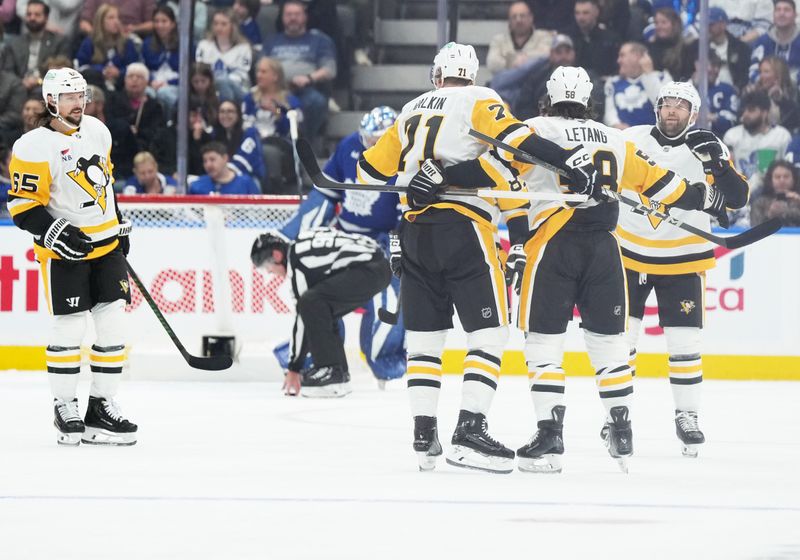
423	188
706	147
123	236
713	203
395	254
582	173
515	266
67	241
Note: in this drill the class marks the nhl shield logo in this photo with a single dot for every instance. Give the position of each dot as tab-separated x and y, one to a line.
687	306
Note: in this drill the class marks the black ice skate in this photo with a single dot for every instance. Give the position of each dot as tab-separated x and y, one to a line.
688	432
426	442
474	448
68	422
105	424
326	382
618	436
542	454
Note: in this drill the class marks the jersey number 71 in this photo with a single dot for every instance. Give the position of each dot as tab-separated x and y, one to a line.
433	124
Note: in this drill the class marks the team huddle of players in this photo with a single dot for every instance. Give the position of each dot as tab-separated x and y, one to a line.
445	255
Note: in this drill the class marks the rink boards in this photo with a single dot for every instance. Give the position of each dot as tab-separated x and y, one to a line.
752	308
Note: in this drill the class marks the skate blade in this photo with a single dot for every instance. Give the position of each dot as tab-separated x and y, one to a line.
99	436
70	439
426	462
549	463
622	463
381	384
690	450
467	458
333	391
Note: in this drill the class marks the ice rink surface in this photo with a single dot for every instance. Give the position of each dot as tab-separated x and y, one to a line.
235	471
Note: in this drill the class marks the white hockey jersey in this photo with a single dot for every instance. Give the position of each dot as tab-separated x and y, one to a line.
71	176
653	247
620	166
435	125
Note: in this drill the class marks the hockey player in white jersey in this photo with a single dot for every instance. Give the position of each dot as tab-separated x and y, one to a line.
663	258
62	193
450	260
574	260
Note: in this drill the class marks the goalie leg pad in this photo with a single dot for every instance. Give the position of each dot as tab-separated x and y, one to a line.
424	370
685	366
107	357
63	354
544	354
482	368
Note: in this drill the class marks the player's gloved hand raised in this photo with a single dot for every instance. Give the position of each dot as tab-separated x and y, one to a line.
582	172
706	147
123	236
515	266
713	203
395	254
425	184
67	241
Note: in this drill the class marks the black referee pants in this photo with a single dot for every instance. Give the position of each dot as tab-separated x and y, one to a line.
322	305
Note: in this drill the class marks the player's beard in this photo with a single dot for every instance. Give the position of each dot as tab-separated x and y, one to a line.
73	120
672	129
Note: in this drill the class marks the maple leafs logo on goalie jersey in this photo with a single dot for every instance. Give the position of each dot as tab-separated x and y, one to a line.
91	175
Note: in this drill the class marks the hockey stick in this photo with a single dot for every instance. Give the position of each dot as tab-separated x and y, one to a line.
291	115
733	242
309	161
387	316
212	363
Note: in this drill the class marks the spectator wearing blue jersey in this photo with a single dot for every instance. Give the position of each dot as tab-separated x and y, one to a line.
220	178
246	12
108	50
265	107
309	61
160	55
782	40
243	144
723	100
631	94
146	178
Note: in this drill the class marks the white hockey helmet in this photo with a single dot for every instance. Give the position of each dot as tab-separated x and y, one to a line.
63	80
569	84
454	61
679	90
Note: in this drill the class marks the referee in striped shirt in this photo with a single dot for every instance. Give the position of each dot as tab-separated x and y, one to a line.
332	273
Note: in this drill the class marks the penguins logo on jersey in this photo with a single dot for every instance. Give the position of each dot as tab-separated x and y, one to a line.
90	175
687	306
655	222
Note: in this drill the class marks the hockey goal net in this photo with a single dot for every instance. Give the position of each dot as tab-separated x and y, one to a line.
193	255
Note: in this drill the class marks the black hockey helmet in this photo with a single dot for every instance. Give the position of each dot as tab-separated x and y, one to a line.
265	244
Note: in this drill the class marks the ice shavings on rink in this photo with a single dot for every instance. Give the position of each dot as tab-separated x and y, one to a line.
237	471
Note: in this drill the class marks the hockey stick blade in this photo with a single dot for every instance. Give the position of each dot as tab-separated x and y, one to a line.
734	242
387	316
752	235
306	155
211	363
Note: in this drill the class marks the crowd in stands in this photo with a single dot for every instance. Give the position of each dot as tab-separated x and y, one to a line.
631	48
246	80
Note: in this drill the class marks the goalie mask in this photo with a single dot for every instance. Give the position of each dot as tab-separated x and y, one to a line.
375	124
454	61
59	81
264	247
678	95
569	84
